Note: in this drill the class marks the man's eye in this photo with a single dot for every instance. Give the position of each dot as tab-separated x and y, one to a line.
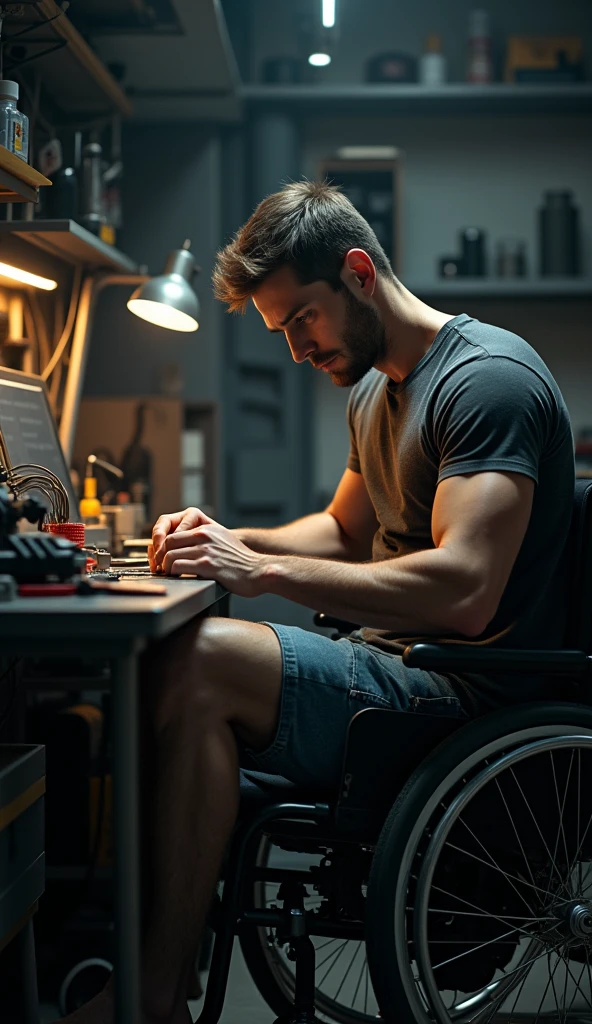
304	317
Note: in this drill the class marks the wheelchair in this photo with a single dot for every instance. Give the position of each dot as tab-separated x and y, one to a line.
450	877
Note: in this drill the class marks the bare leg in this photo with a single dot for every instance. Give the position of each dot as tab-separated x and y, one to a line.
219	679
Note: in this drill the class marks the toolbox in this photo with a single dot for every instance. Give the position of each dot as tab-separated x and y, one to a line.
22	857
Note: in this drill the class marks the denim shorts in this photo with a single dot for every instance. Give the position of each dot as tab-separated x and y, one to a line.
325	683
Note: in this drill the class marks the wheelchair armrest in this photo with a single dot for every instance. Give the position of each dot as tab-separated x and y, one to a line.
328	622
453	657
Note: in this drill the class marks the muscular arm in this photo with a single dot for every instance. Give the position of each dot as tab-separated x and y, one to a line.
478	525
344	531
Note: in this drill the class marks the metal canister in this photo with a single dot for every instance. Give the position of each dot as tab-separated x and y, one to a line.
559	235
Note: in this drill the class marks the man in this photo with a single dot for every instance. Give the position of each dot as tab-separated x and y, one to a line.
448	522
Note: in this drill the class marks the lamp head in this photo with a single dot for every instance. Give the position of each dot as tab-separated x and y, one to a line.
169	300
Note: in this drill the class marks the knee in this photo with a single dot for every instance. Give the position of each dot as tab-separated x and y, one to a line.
190	670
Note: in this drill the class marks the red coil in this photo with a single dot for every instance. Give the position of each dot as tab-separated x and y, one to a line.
72	531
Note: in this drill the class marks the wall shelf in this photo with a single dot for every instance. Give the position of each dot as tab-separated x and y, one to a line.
499	288
19	182
67	240
73	76
452	98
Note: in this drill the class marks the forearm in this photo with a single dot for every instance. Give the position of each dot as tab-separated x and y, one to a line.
424	593
318	535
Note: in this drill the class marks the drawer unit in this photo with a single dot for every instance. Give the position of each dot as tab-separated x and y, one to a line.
22	858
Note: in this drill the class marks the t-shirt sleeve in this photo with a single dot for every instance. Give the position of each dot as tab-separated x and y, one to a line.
492	414
353	461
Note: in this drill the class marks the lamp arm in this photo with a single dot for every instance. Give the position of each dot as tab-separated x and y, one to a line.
91	289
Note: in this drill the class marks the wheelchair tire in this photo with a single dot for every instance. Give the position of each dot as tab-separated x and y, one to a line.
274	977
409	828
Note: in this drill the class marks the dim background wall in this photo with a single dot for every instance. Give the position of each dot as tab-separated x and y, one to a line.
171	192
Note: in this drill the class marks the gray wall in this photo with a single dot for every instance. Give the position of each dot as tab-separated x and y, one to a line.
170	193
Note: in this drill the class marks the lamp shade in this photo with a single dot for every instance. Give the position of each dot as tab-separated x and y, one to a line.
169	300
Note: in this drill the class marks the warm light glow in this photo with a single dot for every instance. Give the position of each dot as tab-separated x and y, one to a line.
319	60
328	13
162	315
16	274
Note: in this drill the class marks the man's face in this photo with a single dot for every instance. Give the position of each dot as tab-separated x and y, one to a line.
335	331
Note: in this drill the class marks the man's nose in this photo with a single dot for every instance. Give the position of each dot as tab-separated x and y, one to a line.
300	349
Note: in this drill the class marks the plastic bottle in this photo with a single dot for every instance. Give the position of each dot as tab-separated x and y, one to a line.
479	64
14	125
432	63
90	506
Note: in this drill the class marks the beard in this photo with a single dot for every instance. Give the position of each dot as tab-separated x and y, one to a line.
364	341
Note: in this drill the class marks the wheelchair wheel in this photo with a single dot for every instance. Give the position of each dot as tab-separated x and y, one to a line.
344	991
480	896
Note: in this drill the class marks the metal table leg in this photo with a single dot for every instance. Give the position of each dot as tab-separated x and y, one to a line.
126	819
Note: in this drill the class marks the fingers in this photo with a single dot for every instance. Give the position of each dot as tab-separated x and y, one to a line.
170	523
188	557
161	529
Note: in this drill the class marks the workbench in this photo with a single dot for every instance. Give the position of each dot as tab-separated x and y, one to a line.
117	628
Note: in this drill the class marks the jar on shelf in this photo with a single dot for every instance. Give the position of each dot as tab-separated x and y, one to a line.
14	125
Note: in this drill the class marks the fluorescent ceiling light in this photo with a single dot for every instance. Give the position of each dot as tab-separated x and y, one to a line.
319	60
328	13
16	274
368	152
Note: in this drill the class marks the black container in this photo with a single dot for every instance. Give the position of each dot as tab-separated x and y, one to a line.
559	236
62	198
472	247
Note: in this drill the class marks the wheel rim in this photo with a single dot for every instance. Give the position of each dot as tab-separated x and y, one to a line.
491	1003
344	992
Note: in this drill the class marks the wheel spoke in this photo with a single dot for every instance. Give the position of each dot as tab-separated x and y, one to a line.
330	968
519	993
579	849
356	951
329	955
515	830
547	986
569	971
482	945
536	824
488	864
364	967
497	867
470	913
557	1007
561	830
573	998
494	917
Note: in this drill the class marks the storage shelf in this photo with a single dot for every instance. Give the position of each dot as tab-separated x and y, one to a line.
68	241
71	73
19	182
497	288
452	98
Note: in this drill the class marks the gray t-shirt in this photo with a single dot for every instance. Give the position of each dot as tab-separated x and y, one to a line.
480	399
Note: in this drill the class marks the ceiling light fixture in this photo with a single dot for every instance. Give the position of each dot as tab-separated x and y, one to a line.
24	277
319	60
328	13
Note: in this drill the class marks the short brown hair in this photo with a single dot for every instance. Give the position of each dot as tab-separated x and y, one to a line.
309	226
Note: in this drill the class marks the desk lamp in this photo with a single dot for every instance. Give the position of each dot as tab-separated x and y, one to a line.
169	300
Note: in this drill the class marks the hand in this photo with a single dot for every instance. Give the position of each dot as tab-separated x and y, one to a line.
212	552
167	524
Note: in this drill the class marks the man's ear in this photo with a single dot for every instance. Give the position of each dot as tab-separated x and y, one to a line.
359	273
